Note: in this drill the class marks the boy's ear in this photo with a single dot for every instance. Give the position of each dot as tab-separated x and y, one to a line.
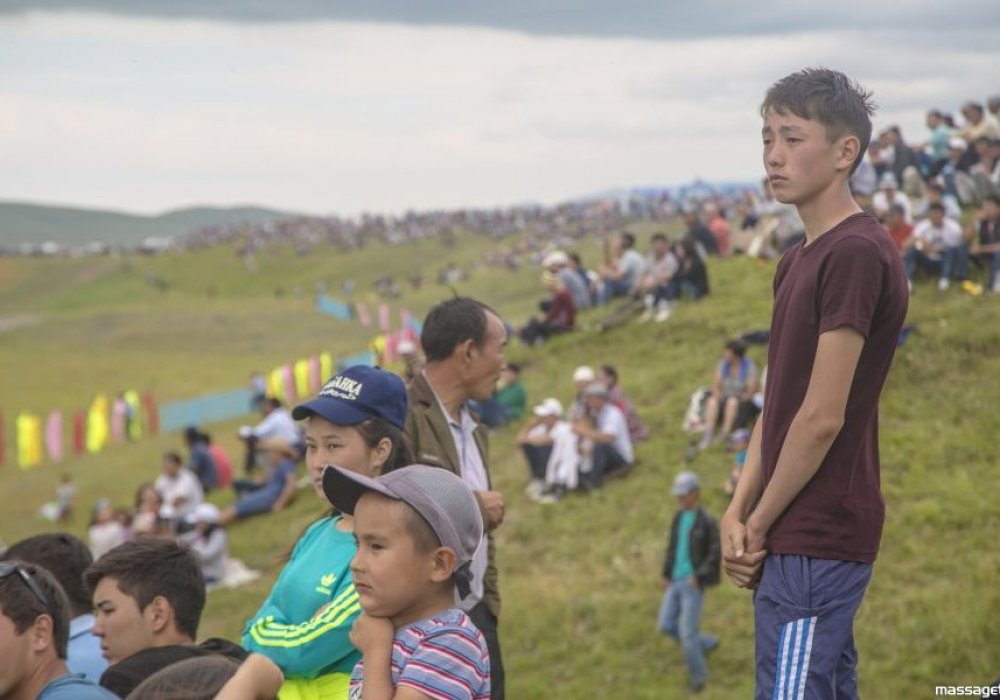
849	147
442	564
160	614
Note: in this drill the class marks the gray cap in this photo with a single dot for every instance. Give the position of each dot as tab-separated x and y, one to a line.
438	496
685	483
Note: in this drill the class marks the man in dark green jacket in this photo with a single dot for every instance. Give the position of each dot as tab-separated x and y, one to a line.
463	341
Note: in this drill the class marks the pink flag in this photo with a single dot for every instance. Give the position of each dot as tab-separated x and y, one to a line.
315	375
383	317
288	374
118	420
53	436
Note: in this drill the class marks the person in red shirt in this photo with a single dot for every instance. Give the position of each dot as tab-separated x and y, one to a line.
560	313
805	523
895	224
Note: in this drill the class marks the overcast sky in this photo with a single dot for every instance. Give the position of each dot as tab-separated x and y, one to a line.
328	107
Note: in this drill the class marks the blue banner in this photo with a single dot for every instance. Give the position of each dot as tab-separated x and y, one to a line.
175	415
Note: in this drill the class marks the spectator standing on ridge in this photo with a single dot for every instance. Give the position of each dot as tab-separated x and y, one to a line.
66	557
804	525
691	566
34	627
464	343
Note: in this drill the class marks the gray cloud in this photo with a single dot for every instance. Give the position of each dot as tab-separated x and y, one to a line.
643	19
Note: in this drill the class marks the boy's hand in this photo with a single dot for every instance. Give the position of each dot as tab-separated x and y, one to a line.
741	564
372	634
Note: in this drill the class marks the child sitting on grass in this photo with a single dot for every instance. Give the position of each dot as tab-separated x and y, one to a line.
417	530
739	441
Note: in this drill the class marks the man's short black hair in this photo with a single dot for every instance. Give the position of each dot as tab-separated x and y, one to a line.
628	240
174	457
829	97
272	401
147	568
936	206
19	603
66	557
611	372
452	322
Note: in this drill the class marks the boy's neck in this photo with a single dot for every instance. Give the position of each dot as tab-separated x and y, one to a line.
827	209
438	600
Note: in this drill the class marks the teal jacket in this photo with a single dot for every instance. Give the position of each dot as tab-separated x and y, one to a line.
304	624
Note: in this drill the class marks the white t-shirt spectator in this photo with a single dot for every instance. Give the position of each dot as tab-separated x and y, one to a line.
278	425
631	264
611	421
948	235
184	485
662	269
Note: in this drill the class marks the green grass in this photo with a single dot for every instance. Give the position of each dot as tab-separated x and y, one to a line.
580	580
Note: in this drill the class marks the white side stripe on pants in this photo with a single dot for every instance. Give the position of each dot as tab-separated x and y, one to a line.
792	663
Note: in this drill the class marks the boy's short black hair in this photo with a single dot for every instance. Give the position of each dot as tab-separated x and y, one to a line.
66	557
840	104
452	322
147	568
20	604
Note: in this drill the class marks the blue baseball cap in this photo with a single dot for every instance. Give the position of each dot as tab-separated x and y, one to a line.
357	394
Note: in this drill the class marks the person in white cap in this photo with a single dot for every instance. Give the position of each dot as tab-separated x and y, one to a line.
558	263
208	541
550	448
692	564
409	353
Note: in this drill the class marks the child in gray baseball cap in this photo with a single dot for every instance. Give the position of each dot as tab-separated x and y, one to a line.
417	530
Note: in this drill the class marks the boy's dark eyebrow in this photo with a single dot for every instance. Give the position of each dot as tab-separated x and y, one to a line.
783	129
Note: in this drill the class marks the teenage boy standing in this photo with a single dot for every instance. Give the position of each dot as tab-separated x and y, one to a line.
805	522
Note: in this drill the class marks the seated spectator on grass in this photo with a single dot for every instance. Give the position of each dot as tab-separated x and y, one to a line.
739	442
657	285
715	219
933	193
148	598
578	286
207	539
605	428
560	313
900	231
179	488
938	248
590	278
985	235
623	265
692	277
986	173
223	463
274	491
583	376
34	633
66	558
277	424
731	401
148	503
201	462
550	447
698	233
637	429
105	531
508	401
889	194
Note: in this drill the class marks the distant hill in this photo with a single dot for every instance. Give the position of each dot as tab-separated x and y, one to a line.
34	223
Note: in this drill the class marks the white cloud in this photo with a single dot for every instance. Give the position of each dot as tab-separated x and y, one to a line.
148	114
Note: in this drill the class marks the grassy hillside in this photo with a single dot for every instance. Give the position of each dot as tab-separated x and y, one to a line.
35	223
580	579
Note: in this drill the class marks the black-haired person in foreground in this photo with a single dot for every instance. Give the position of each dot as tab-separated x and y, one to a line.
66	557
34	630
148	598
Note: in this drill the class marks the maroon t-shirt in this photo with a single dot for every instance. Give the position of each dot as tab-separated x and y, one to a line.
850	276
